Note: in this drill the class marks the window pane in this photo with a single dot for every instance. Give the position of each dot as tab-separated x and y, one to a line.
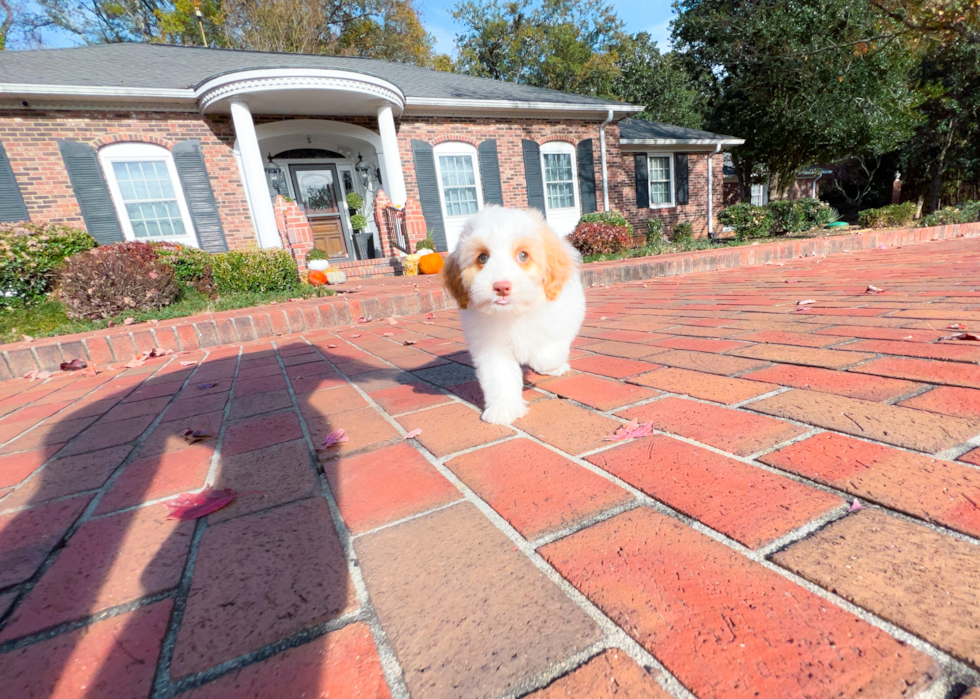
659	169
557	167
757	195
660	192
561	196
660	184
150	199
458	185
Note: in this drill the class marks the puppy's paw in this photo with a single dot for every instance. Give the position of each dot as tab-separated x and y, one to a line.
504	413
557	372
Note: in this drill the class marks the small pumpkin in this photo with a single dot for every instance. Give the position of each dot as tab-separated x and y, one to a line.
316	277
431	263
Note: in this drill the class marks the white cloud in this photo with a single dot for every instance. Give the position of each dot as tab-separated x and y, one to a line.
661	34
445	39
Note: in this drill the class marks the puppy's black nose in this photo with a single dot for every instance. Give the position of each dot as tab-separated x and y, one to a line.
502	288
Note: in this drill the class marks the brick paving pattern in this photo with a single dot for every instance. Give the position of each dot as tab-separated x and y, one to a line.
720	557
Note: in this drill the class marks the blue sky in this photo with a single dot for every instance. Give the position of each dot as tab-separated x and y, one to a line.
639	15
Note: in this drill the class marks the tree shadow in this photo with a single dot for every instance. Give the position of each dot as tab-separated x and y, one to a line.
101	595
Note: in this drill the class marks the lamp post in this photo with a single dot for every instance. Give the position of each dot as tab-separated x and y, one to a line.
363	171
276	179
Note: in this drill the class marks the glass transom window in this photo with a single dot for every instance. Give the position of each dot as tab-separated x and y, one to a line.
458	185
150	200
661	187
558	180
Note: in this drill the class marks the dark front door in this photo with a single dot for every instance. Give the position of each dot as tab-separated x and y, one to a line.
318	193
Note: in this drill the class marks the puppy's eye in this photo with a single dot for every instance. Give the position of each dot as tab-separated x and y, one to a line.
482	259
522	256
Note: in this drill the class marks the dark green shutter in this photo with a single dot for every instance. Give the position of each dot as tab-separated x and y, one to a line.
586	175
490	173
642	181
199	196
91	191
532	171
425	174
12	207
680	177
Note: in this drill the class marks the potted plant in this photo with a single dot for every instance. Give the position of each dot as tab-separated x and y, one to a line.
316	260
363	240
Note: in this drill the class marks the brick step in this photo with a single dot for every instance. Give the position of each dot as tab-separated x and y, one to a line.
366	269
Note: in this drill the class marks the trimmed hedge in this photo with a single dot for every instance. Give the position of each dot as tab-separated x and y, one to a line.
967	212
747	220
30	256
601	238
612	218
891	216
258	271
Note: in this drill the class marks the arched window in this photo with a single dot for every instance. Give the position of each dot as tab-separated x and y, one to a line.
147	194
560	190
460	190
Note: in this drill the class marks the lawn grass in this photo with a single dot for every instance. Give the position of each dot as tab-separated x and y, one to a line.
665	248
48	318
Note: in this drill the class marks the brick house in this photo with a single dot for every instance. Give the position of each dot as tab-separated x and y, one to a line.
230	149
806	185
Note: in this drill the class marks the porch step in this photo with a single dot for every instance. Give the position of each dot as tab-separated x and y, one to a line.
365	269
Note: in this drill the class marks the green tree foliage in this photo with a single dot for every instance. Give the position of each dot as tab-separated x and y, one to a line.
661	82
802	81
945	21
570	45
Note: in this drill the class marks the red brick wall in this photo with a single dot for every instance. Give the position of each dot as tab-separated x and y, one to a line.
31	142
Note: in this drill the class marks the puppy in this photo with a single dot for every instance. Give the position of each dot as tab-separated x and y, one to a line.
518	286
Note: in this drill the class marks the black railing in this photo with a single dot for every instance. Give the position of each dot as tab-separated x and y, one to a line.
395	223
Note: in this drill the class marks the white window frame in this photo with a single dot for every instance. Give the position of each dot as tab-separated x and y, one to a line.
561	148
454	224
763	194
673	182
145	152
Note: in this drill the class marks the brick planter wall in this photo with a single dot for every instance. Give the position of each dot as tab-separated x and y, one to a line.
404	296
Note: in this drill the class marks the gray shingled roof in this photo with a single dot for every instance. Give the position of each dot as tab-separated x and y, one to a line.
640	129
181	67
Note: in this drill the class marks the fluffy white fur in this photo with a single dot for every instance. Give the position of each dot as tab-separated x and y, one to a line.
534	322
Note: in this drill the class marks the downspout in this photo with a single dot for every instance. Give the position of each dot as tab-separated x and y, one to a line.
711	218
602	157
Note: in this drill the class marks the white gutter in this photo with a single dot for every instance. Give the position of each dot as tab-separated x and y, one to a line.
461	103
682	141
711	218
602	158
78	91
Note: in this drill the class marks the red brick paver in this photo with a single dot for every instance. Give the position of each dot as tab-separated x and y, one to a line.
383	567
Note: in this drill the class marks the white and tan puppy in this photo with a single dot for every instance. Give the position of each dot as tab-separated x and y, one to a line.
518	286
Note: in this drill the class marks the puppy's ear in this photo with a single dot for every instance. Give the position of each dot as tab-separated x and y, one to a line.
558	263
451	277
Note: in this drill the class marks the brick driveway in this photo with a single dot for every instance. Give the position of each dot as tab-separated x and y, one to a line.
719	557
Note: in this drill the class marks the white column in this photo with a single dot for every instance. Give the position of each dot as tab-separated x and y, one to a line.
253	174
391	160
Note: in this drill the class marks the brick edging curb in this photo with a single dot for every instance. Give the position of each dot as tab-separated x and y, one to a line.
245	325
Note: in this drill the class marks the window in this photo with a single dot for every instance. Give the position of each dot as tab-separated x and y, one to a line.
459	182
560	186
661	170
146	192
759	193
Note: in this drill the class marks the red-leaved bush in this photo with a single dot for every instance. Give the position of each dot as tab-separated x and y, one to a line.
600	238
115	279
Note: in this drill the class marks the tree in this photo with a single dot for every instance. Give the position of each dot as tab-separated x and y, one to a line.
945	21
660	82
569	45
802	81
179	23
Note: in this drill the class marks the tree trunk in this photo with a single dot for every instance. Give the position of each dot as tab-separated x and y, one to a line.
936	189
8	21
744	183
919	203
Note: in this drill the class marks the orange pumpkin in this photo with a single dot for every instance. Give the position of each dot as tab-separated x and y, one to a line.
431	263
316	277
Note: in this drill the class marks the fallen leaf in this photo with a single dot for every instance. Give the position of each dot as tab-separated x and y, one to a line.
129	321
31	375
204	386
112	324
962	336
91	371
806	302
389	334
73	365
431	316
855	506
409	342
359	286
27	338
414	433
154	321
188	363
295	299
197	505
426	322
392	321
956	326
332	346
160	352
873	290
357	335
362	319
335	437
779	264
135	362
631	430
193	436
602	318
882	247
791	281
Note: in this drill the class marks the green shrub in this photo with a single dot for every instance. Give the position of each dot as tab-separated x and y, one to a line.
358	221
800	215
655	231
747	220
30	255
600	238
109	281
683	233
891	216
256	271
354	200
426	243
192	267
317	254
967	212
612	218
